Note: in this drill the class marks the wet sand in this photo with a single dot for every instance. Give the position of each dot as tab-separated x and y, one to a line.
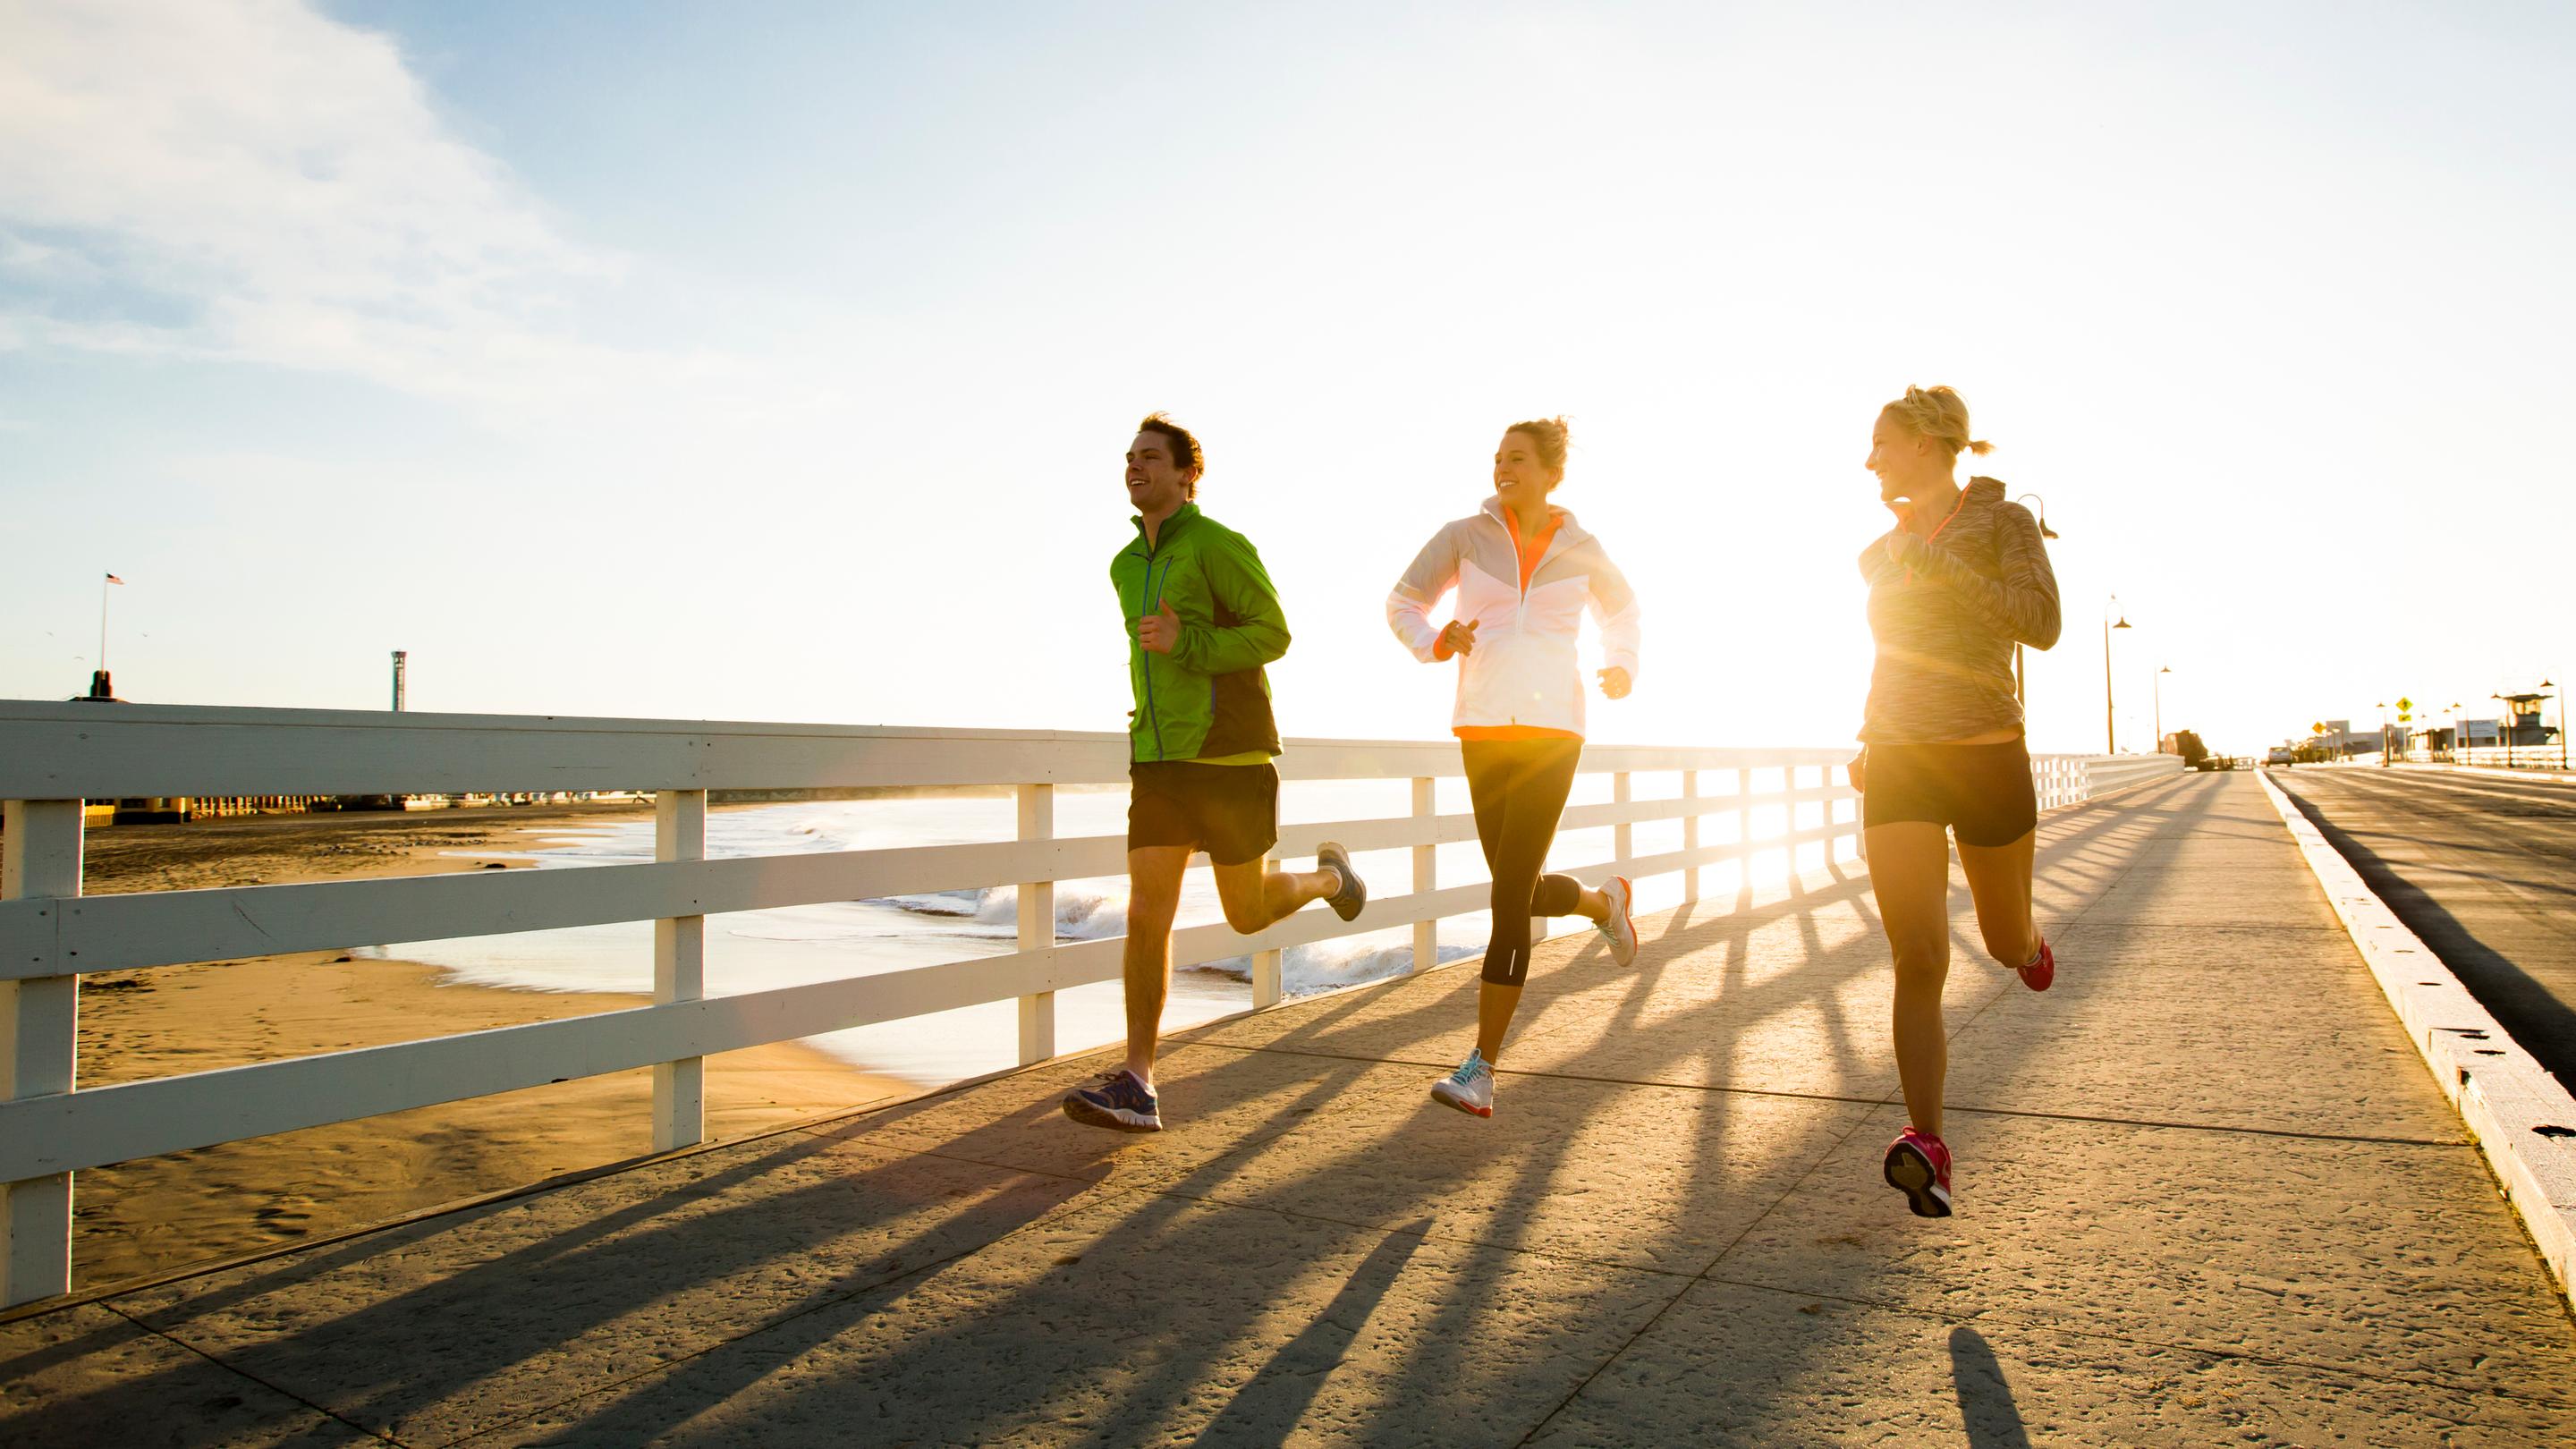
152	1216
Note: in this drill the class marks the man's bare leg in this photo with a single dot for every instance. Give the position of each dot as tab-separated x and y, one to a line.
1153	897
1256	899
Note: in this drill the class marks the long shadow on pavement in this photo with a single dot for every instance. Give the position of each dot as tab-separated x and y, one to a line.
1985	1399
590	1276
1165	1225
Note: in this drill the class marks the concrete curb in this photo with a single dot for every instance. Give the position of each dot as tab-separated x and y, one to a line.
2523	1120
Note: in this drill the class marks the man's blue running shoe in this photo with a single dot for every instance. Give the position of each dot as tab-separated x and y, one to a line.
1347	901
1117	1101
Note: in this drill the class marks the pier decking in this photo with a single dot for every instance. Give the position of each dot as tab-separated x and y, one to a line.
2206	1193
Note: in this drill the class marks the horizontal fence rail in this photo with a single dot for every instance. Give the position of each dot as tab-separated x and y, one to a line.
52	756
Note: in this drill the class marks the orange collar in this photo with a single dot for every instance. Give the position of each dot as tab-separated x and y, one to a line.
1955	506
1530	550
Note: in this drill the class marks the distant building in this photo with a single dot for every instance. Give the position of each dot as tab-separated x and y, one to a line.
2526	727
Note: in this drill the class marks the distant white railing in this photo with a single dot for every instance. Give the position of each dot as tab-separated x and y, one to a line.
53	755
2535	758
2108	774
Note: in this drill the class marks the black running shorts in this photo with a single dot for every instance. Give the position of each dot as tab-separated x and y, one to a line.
1982	792
1229	811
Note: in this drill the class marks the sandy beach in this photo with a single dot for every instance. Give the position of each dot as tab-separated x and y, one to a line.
148	1217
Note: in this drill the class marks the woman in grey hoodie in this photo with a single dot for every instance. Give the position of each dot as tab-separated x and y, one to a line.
1959	580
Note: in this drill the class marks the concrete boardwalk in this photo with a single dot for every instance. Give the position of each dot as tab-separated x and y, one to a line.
2208	1194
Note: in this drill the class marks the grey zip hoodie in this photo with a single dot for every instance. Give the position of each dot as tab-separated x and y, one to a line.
1946	614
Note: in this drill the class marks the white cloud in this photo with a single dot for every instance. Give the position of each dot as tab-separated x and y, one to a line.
255	181
34	262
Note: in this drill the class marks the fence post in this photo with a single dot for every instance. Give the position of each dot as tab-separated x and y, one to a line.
679	972
1623	836
1690	836
1037	925
1743	829
1426	873
1789	788
39	1035
1265	964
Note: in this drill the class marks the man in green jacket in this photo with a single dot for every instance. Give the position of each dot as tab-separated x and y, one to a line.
1201	619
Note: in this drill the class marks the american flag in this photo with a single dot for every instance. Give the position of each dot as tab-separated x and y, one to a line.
113	579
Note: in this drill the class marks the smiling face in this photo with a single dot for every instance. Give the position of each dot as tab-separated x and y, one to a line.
1157	485
1521	480
1907	464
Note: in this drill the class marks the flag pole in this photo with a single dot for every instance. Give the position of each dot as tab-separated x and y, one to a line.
102	621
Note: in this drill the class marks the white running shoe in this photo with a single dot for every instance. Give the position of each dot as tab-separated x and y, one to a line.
1469	1089
1620	931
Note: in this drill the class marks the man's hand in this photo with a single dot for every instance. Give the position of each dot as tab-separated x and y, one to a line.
1858	769
1160	630
1459	638
1614	683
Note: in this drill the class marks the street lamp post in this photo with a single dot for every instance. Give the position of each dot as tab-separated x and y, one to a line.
2110	718
2455	730
2505	728
2383	734
2562	721
2160	708
2021	682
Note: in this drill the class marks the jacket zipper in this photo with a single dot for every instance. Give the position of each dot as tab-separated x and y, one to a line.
1146	660
1154	597
1520	610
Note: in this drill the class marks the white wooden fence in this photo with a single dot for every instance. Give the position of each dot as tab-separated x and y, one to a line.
53	755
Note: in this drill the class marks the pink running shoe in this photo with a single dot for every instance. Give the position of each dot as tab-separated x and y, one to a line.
2041	969
1918	1166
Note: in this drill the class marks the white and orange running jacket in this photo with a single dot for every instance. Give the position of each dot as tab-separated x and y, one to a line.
1521	678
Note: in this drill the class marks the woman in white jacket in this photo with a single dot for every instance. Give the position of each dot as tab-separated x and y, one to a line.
1525	572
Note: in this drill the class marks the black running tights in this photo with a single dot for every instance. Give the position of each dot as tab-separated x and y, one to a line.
1519	787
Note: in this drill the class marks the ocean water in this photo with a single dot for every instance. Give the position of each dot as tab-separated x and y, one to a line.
761	950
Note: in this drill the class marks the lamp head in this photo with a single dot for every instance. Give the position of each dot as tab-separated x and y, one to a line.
2044	530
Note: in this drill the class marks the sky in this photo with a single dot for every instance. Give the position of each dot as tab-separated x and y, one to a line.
776	361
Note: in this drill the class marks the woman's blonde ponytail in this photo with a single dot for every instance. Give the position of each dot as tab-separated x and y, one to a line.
1938	413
